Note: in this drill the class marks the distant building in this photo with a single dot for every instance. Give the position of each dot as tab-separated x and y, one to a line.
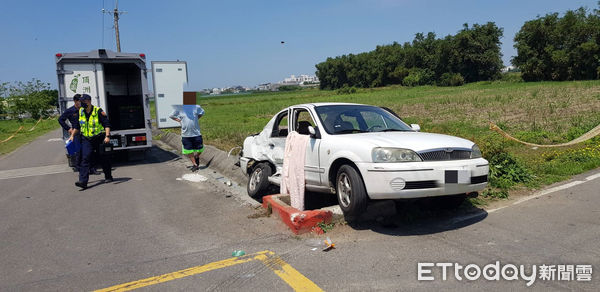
264	87
510	68
302	79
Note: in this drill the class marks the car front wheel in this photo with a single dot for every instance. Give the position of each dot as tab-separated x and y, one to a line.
351	192
258	183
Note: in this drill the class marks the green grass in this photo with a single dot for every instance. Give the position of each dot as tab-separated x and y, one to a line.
538	112
8	128
519	108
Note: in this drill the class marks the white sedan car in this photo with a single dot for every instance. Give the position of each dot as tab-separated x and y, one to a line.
363	152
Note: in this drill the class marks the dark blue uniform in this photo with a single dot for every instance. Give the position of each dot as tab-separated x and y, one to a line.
89	151
72	114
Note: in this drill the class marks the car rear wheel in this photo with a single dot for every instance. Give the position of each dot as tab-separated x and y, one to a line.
351	192
258	183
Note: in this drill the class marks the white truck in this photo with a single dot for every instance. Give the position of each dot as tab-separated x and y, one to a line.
117	82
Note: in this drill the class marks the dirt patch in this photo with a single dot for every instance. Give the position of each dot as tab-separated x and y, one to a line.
260	213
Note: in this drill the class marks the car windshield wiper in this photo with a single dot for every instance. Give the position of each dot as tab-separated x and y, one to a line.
350	131
394	130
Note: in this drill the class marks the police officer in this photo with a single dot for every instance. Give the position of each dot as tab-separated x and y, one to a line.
95	130
72	114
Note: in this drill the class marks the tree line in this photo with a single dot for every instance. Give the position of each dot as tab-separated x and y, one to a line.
31	99
560	48
549	48
472	54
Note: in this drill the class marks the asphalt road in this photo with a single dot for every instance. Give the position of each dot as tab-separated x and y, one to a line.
148	223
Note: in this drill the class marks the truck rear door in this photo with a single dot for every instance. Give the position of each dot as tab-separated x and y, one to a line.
83	78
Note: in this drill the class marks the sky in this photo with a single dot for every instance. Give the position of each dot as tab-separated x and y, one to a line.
238	42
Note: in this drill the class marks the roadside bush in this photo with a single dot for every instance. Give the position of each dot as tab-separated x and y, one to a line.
505	169
492	144
398	75
289	88
418	76
451	79
30	99
512	77
495	193
589	153
3	109
562	163
346	90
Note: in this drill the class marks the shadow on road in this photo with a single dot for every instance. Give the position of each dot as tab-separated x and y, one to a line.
151	156
419	217
405	217
117	180
402	217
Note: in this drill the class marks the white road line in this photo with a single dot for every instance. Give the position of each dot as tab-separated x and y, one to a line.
536	195
591	177
34	171
55	139
540	194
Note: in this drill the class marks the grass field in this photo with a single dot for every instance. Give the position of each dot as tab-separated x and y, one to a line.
543	112
26	135
540	112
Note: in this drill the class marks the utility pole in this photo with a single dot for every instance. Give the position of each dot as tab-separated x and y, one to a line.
116	14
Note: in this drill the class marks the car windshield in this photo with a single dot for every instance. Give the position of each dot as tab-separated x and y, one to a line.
347	119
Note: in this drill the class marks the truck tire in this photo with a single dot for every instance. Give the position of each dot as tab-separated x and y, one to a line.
350	191
258	182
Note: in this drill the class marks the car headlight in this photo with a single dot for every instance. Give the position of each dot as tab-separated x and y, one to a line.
387	155
475	152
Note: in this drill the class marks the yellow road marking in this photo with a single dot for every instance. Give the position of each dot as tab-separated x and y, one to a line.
287	273
183	273
282	269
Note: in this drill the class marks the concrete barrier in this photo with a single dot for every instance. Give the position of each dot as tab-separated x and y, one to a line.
298	221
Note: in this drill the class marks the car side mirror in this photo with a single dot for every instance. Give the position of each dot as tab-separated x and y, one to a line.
415	127
314	133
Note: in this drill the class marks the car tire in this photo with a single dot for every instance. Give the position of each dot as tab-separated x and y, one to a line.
258	182
350	191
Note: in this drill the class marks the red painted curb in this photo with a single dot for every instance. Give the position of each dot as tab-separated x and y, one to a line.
298	221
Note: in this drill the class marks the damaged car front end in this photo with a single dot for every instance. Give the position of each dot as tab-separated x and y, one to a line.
362	153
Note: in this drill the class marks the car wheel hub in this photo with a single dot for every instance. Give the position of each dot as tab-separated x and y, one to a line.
255	179
344	190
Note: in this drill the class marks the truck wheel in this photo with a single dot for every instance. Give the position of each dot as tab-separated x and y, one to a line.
258	183
351	192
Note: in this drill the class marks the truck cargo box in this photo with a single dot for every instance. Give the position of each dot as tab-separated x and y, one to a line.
117	82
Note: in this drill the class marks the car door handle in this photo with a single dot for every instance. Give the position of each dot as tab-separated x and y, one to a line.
271	145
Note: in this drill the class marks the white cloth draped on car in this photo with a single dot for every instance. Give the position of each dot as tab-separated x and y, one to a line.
292	176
